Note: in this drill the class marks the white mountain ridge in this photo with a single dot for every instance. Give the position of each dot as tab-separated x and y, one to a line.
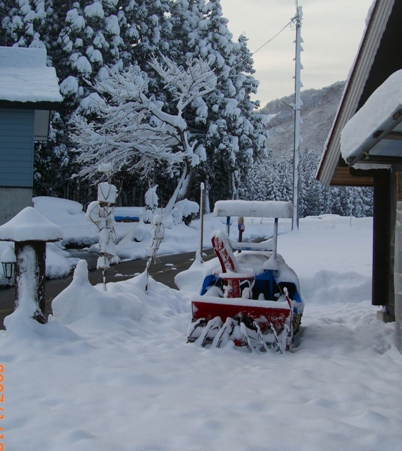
317	113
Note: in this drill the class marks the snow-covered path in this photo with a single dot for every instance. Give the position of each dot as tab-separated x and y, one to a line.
113	371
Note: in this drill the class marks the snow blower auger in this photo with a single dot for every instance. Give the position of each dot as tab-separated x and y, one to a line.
254	299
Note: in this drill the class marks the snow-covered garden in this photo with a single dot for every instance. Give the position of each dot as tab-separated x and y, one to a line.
112	369
161	92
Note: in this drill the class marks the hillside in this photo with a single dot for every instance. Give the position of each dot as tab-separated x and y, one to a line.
317	112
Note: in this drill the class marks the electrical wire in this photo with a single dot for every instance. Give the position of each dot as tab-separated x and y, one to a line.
269	40
259	48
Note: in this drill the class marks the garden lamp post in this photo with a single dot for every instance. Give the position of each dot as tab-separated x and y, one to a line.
30	231
8	261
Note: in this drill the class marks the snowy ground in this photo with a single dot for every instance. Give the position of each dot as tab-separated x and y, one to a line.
113	370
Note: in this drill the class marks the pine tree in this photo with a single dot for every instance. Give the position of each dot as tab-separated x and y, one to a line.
24	22
82	38
147	30
310	192
224	121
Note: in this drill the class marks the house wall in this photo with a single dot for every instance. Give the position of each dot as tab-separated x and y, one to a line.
12	201
16	161
16	147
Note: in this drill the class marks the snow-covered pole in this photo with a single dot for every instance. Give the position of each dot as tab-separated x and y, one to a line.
202	201
275	237
157	235
297	106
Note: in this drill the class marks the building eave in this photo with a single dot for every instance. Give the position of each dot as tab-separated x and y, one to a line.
354	88
44	105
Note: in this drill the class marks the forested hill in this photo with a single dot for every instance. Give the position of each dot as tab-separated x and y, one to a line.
317	113
272	178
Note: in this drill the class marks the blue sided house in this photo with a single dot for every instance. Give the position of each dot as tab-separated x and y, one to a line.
29	90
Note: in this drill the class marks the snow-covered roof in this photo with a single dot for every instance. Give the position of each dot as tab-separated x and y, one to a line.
24	76
379	115
361	78
254	208
30	225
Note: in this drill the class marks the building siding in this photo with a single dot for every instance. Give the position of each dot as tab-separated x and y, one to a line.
12	201
16	147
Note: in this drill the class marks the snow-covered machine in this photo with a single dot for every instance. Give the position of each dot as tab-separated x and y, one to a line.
254	299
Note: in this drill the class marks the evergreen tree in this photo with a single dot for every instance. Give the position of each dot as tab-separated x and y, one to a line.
24	22
311	189
272	179
147	30
83	38
106	34
224	121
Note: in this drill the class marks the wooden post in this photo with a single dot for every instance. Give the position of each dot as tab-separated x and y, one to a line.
30	275
202	208
383	230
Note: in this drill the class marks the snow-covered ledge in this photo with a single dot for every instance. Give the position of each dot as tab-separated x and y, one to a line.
378	116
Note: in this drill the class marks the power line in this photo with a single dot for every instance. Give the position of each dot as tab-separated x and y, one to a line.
259	48
269	40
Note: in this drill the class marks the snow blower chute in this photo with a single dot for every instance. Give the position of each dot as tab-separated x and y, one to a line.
253	299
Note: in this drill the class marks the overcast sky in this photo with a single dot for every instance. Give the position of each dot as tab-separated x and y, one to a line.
331	31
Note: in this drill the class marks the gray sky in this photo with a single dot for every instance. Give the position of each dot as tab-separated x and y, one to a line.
331	31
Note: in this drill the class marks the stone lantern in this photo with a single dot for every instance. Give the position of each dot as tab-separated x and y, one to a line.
8	263
30	231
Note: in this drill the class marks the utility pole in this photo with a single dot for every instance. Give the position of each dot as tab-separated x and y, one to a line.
202	211
296	107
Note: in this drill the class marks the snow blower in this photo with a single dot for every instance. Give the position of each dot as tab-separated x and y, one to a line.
253	300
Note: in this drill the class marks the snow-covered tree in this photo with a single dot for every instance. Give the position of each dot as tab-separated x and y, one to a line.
271	179
132	129
145	29
225	120
84	38
24	22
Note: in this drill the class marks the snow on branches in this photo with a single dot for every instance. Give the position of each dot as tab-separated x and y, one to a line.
187	84
128	127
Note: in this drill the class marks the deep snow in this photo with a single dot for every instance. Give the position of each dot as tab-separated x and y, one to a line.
113	370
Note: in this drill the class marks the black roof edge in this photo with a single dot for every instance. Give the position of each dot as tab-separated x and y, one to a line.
29	105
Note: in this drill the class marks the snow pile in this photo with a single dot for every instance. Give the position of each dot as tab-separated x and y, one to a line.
81	299
58	262
70	216
133	239
113	370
